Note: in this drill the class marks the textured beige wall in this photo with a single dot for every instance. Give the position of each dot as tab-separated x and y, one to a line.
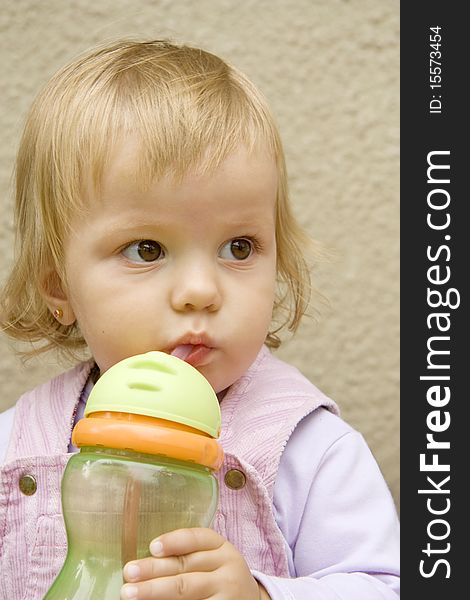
330	71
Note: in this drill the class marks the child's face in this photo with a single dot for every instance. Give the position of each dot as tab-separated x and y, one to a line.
188	264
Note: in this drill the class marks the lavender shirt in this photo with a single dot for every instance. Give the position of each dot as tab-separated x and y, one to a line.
333	508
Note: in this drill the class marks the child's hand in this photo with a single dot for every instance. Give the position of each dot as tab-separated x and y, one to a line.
191	564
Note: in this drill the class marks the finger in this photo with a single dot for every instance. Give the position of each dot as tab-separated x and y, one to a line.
152	568
185	541
188	586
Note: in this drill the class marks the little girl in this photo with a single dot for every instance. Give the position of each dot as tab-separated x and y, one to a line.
152	214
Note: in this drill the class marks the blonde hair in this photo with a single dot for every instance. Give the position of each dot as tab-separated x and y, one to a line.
189	108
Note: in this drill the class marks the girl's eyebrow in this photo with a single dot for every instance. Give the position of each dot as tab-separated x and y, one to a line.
129	219
246	216
263	217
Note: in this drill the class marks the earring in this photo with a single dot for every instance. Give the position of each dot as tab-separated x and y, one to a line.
58	313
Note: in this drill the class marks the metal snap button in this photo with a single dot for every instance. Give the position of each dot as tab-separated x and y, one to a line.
235	479
28	485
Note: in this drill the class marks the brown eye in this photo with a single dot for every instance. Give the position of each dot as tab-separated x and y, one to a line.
145	250
149	250
238	249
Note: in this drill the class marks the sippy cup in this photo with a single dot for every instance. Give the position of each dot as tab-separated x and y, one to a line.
145	466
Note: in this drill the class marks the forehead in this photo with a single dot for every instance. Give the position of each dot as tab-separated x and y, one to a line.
241	193
128	163
242	175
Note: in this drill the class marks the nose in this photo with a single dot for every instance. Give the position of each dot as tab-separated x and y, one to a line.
196	289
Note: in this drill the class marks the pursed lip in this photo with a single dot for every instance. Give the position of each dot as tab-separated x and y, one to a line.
196	349
193	339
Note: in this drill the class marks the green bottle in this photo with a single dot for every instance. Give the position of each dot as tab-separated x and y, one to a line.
148	453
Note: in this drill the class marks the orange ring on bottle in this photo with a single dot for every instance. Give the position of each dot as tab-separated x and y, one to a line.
149	435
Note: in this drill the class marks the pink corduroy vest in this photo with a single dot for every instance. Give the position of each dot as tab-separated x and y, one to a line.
259	413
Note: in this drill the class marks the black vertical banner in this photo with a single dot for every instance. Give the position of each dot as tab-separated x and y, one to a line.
435	268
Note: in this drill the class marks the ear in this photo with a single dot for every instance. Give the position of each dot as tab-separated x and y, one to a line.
55	295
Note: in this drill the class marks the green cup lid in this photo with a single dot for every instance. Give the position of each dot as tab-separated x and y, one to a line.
159	385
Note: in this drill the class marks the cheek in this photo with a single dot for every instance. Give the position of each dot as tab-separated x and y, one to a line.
258	302
91	309
268	286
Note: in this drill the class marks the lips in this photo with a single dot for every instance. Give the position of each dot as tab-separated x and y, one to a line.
193	355
192	350
182	351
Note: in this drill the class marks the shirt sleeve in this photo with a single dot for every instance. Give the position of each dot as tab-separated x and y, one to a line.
6	426
337	516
